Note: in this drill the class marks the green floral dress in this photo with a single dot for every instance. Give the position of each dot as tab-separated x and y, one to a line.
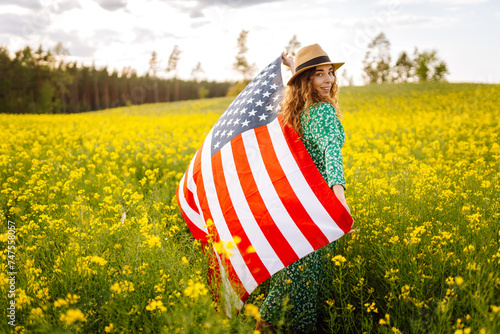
294	292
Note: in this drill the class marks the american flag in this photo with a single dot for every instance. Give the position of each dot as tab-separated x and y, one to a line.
253	195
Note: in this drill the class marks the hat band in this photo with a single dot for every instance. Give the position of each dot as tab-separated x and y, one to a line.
312	62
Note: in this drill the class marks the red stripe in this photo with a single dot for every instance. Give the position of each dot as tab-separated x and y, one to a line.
188	194
290	201
202	199
272	233
195	230
252	260
316	182
233	277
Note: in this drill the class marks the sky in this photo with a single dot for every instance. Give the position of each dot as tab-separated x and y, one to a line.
124	33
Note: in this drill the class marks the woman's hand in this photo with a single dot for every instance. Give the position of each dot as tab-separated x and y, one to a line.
338	190
288	61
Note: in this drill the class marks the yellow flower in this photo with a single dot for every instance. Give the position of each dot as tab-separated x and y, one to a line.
154	242
71	316
252	310
60	302
122	287
338	260
109	328
194	290
156	305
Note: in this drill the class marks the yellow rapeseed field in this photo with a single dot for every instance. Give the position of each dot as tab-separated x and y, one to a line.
88	202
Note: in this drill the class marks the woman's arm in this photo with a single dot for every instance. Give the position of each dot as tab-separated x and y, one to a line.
338	190
288	61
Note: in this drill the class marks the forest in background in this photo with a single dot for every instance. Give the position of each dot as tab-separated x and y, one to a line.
42	82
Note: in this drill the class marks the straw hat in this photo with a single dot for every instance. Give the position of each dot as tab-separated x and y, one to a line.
311	56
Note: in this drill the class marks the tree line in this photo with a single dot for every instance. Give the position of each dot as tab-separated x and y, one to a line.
43	81
421	66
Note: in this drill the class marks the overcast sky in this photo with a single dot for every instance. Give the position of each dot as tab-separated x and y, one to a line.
119	33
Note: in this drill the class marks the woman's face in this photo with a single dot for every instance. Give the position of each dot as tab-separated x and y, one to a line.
323	79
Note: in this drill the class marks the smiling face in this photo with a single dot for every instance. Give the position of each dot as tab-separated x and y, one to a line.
323	79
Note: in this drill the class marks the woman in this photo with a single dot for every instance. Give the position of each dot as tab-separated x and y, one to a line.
310	107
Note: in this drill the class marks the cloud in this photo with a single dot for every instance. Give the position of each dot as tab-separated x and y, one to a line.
144	35
195	7
112	5
30	4
432	2
62	6
382	22
77	46
12	24
23	25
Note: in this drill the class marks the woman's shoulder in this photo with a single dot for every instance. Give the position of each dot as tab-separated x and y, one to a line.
322	109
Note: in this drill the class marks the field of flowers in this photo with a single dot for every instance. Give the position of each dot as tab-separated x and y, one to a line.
88	201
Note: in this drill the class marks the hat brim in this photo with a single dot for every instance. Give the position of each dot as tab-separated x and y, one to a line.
335	66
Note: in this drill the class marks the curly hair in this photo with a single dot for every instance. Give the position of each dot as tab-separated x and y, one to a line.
300	95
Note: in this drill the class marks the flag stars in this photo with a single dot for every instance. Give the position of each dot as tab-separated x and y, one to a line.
274	86
259	103
217	144
266	82
262	117
250	100
230	133
243	110
272	75
245	123
269	108
253	112
266	94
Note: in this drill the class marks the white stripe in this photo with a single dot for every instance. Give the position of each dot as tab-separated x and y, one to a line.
193	216
231	298
236	259
259	241
273	203
191	185
311	203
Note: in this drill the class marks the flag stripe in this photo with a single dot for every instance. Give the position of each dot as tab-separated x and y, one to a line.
233	222
256	237
301	188
198	178
218	218
231	297
190	216
190	199
271	198
316	182
269	229
289	199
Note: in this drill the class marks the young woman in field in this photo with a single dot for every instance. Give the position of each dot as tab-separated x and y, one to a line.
310	107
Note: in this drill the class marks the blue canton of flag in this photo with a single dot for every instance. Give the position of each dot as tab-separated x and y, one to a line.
258	104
